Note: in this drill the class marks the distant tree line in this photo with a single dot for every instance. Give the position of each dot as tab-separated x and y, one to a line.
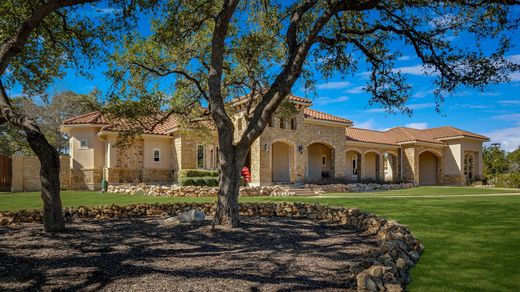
502	168
49	112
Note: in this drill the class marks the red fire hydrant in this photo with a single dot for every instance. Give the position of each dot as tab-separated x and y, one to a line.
246	174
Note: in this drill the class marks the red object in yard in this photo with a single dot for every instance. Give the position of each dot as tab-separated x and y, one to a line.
246	174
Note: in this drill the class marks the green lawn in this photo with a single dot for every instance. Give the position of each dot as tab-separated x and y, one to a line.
472	243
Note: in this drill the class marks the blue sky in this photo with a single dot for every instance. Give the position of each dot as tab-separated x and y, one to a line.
494	112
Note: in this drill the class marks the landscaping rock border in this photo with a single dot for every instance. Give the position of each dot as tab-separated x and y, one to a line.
384	269
250	191
192	191
357	187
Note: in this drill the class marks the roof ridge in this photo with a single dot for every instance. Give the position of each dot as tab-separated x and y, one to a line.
371	130
81	116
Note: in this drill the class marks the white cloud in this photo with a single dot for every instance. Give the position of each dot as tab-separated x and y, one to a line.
107	10
376	110
404	58
509	102
355	90
508	117
416	70
514	58
368	124
469	106
515	76
328	100
418	106
334	85
420	126
423	93
509	138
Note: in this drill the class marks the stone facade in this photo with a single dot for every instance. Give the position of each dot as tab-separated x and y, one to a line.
307	147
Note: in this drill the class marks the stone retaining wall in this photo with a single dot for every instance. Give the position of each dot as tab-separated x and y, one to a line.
357	187
384	269
192	191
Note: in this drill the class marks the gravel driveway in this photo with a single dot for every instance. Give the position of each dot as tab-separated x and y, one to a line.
265	254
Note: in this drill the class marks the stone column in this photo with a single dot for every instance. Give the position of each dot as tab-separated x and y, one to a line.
362	174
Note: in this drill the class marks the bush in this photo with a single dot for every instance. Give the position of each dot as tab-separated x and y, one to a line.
207	181
510	180
184	173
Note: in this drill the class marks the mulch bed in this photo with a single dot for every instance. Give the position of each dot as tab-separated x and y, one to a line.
265	254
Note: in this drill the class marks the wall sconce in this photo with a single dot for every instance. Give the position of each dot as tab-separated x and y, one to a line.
266	147
300	149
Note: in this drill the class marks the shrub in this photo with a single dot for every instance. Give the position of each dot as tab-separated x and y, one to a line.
184	173
207	181
510	180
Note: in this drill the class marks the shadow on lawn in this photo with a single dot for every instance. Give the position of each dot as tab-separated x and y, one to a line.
146	254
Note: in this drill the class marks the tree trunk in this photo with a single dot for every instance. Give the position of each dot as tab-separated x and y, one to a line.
50	180
227	212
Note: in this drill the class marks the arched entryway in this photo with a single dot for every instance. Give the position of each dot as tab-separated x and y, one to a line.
281	166
353	165
320	162
390	167
372	166
428	168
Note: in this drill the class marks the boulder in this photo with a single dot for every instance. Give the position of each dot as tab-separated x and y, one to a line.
192	216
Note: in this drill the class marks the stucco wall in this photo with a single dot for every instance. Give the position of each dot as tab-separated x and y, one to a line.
163	144
91	156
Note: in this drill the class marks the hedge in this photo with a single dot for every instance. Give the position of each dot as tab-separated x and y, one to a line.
184	173
207	181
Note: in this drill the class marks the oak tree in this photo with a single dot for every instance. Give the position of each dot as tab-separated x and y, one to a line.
208	52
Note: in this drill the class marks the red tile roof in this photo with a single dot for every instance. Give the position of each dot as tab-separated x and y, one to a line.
448	132
317	115
148	126
94	118
369	136
398	135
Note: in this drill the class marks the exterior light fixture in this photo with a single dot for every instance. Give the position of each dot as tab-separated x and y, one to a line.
266	147
300	149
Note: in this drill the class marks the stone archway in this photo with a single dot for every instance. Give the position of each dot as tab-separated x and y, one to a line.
320	162
428	168
281	162
353	164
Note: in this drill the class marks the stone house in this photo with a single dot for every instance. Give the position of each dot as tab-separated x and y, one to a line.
310	146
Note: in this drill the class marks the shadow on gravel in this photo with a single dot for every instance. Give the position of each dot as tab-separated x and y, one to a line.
147	254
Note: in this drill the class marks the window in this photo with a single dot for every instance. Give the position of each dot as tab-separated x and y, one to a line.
83	143
271	123
293	124
239	124
156	155
200	156
282	123
323	160
468	166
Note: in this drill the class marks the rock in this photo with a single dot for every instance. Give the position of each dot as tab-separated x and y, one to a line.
171	220
139	192
393	288
192	216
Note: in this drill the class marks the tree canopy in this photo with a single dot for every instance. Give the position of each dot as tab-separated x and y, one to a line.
202	54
